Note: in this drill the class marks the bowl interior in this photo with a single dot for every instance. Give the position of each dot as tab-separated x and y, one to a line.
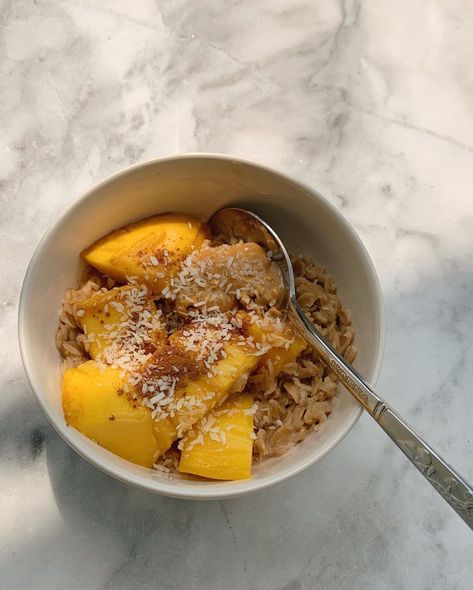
198	185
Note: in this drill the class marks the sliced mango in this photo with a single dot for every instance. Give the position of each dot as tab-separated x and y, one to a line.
151	250
284	342
196	397
220	446
113	319
94	403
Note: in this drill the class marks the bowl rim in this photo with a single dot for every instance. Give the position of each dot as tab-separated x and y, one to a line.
168	488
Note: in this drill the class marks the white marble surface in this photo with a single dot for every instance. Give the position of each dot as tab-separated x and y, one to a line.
369	101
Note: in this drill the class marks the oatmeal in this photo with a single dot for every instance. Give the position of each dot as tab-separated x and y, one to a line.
191	354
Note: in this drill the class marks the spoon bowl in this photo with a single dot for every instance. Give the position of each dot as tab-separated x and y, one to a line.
239	224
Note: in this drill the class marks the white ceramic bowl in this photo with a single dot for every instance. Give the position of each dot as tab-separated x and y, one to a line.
198	184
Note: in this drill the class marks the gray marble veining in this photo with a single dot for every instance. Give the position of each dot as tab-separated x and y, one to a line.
369	101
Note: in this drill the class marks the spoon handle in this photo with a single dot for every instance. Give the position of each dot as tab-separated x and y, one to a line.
448	483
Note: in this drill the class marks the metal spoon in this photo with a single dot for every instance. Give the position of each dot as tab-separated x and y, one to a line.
244	225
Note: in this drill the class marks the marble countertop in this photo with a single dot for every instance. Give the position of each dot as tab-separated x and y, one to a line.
370	101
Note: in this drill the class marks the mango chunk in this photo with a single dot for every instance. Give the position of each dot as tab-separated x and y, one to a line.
197	396
122	322
151	250
284	343
220	446
94	403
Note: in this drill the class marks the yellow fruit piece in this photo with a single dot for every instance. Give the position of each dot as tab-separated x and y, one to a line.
111	319
285	342
151	250
196	397
94	403
221	445
281	356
